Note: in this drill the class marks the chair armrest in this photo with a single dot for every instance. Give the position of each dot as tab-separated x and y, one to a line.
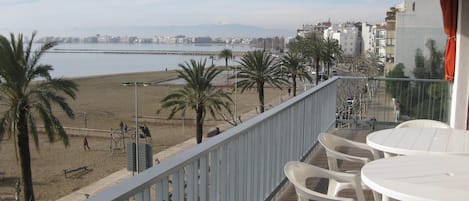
363	146
313	195
341	156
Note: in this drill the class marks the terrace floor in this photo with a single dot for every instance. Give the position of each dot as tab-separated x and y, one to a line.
318	158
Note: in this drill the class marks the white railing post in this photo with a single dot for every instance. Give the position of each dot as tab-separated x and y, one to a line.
214	176
204	185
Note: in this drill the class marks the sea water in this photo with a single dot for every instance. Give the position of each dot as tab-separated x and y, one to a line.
91	64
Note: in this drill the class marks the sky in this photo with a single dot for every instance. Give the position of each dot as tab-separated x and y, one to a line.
61	17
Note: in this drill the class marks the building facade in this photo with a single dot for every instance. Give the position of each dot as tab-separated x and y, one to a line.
349	37
378	42
316	29
390	24
417	21
367	38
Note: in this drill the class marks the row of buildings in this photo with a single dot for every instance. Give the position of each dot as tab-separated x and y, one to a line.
407	27
178	39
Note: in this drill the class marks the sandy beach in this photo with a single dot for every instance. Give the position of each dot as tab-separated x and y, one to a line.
102	103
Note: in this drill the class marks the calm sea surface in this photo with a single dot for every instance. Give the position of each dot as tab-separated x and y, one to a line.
89	64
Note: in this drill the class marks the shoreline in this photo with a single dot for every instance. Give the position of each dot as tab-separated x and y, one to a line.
151	52
80	78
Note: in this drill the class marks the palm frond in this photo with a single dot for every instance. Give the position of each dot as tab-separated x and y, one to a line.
30	46
33	131
41	71
40	52
61	85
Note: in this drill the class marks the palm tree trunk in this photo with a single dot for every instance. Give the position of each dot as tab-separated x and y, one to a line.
199	124
328	69
226	68
25	157
260	90
317	71
294	84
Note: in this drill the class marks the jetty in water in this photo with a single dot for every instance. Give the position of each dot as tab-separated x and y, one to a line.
159	52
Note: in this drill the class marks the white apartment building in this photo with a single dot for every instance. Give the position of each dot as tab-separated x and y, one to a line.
378	42
367	37
416	22
349	37
317	29
390	25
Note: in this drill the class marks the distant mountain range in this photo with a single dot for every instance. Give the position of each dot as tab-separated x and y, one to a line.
212	30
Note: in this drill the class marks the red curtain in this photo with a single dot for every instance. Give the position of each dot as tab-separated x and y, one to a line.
450	17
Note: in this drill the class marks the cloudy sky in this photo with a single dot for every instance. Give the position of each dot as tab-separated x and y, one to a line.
61	16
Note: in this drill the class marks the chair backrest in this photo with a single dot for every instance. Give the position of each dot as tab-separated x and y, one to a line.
424	123
297	173
331	142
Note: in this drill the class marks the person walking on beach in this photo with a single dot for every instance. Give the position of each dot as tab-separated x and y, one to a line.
85	144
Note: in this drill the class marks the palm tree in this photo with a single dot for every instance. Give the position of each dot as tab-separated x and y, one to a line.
27	101
226	54
316	51
293	65
332	52
258	68
312	48
198	94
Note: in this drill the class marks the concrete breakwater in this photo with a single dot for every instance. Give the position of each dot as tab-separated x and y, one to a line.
159	52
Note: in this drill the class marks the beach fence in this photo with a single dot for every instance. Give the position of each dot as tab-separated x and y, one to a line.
82	131
87	123
97	122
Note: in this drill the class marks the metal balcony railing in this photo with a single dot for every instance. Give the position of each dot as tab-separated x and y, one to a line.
374	100
246	162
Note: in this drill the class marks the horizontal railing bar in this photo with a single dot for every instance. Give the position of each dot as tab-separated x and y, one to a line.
390	79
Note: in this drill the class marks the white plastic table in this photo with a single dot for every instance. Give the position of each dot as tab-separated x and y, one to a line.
412	141
419	177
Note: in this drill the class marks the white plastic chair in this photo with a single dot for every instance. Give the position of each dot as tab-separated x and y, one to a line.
297	173
423	123
331	143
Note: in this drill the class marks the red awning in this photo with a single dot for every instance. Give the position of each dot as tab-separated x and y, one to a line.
450	17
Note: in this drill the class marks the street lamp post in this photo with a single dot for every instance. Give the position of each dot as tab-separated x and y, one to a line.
85	119
136	84
212	58
136	129
236	95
